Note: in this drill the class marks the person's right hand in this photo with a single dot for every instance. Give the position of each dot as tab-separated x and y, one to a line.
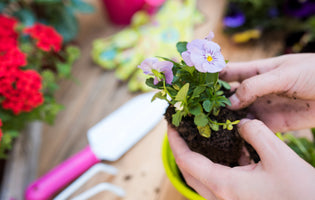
280	90
281	173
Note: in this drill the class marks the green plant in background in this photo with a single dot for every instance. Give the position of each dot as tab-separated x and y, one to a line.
247	20
304	147
57	13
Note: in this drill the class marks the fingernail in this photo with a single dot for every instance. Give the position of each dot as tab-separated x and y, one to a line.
234	101
243	121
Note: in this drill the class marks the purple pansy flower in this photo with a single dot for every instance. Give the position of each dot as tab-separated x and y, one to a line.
234	18
164	67
205	55
300	9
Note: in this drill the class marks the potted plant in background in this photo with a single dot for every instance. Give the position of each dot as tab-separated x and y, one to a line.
32	59
247	20
59	14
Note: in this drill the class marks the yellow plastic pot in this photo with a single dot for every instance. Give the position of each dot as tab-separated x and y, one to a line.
173	173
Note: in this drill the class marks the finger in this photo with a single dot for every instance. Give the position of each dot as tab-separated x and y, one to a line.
240	71
262	139
198	186
283	114
201	168
258	86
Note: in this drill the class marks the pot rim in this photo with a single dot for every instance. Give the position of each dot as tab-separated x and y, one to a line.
173	172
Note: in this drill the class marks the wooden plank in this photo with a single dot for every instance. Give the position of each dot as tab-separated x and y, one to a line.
22	163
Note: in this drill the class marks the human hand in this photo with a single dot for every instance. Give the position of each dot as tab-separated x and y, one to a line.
281	173
281	90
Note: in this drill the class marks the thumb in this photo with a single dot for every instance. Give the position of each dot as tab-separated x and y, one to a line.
263	140
258	86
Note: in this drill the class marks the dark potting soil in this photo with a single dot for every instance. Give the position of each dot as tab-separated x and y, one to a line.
223	147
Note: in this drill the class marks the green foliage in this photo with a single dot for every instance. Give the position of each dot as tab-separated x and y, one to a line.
304	147
205	131
181	47
57	13
6	142
193	93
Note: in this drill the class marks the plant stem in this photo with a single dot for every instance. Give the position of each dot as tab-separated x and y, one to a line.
167	92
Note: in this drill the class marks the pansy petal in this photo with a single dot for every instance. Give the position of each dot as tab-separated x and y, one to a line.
196	46
197	58
211	47
186	58
169	76
210	36
147	65
162	65
166	68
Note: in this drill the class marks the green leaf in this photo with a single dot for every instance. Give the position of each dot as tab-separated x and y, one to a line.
82	6
64	69
2	6
158	95
195	109
230	127
172	91
189	69
177	118
65	23
182	93
198	90
73	53
214	127
223	101
212	77
201	119
204	131
181	47
215	111
224	84
219	93
49	81
207	105
26	16
5	116
149	82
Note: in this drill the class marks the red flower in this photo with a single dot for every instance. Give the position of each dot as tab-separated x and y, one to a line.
47	37
12	57
7	25
23	94
20	89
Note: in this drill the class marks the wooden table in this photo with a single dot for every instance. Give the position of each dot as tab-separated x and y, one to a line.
99	93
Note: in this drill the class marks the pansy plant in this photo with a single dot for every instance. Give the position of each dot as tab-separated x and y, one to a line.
192	85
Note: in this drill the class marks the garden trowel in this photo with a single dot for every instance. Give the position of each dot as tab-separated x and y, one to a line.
108	140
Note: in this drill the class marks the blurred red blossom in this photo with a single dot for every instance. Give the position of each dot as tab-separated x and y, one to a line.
46	36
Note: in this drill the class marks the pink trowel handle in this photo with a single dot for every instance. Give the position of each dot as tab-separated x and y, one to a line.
60	176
